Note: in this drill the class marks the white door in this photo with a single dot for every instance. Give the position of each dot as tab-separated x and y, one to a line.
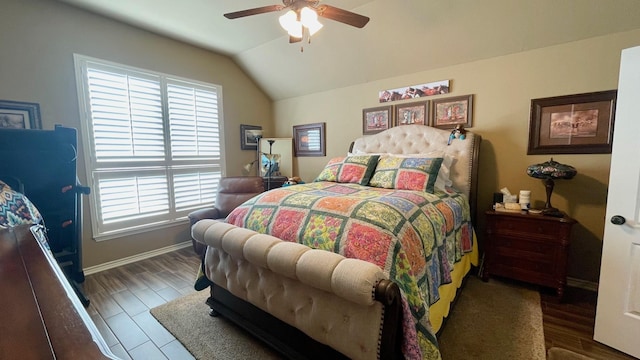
618	310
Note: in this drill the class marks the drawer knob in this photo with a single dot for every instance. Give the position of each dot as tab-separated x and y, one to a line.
618	220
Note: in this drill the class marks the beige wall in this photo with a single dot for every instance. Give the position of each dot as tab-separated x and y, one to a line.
41	37
503	88
38	41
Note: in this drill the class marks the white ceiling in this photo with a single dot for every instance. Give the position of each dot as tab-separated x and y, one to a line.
402	37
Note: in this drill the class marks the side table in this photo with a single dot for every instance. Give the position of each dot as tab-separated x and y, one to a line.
529	248
274	182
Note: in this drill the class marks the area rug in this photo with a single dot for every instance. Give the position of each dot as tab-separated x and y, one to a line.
494	320
491	320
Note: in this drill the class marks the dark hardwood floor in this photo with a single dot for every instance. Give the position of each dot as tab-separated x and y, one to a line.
122	297
569	325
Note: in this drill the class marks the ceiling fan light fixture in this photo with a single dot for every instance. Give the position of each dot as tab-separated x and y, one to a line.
289	21
301	19
295	31
309	19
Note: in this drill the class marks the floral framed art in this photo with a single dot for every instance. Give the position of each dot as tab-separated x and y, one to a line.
449	112
412	113
309	140
19	115
572	124
376	119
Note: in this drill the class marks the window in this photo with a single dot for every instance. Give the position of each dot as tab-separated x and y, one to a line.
153	145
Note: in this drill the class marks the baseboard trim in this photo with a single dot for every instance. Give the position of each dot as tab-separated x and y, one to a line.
582	284
131	259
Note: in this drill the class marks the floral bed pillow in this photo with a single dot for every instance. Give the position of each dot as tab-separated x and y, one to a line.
443	180
406	173
350	169
15	208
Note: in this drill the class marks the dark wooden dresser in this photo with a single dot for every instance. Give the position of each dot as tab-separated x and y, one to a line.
40	315
530	248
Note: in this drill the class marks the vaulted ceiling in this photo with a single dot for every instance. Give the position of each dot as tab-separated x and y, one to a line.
402	37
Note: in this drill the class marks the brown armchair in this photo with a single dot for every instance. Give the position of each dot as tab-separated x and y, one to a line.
232	191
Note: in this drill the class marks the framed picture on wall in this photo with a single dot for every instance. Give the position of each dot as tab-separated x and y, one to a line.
249	136
309	140
572	124
449	112
412	113
377	119
19	115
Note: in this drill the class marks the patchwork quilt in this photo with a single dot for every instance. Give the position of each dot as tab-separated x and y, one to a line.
414	236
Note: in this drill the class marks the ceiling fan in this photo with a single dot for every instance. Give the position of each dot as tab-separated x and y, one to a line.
299	19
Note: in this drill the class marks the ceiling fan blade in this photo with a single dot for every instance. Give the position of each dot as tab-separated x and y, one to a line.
254	11
343	16
293	39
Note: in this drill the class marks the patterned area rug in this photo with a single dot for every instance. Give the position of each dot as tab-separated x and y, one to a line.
491	320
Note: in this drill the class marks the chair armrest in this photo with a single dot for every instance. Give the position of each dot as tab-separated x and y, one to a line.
207	213
194	217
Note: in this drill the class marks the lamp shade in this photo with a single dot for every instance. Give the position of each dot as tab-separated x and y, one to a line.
309	19
551	170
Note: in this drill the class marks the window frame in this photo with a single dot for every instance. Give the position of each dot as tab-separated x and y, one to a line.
171	167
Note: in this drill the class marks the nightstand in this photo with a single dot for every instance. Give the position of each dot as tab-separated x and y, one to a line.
529	248
274	182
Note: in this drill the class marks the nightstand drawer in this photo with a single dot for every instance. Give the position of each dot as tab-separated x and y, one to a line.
545	249
509	263
526	227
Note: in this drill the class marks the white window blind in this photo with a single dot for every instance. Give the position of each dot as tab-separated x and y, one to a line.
154	149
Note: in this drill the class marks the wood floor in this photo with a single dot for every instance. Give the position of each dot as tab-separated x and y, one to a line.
569	325
121	299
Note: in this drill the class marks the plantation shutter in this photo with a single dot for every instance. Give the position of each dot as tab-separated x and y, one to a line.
155	146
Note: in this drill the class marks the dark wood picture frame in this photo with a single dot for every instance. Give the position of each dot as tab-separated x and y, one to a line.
572	124
377	119
449	112
250	136
19	115
309	140
412	113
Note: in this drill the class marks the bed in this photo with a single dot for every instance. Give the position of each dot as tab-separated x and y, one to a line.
317	275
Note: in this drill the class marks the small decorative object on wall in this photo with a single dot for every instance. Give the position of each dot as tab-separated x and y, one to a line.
448	113
414	91
309	140
572	124
19	115
376	119
412	113
249	136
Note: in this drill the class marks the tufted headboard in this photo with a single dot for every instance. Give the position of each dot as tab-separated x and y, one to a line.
420	139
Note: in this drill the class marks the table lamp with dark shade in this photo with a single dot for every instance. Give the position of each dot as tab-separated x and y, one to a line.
550	171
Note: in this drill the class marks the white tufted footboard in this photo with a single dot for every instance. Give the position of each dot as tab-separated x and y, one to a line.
336	301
